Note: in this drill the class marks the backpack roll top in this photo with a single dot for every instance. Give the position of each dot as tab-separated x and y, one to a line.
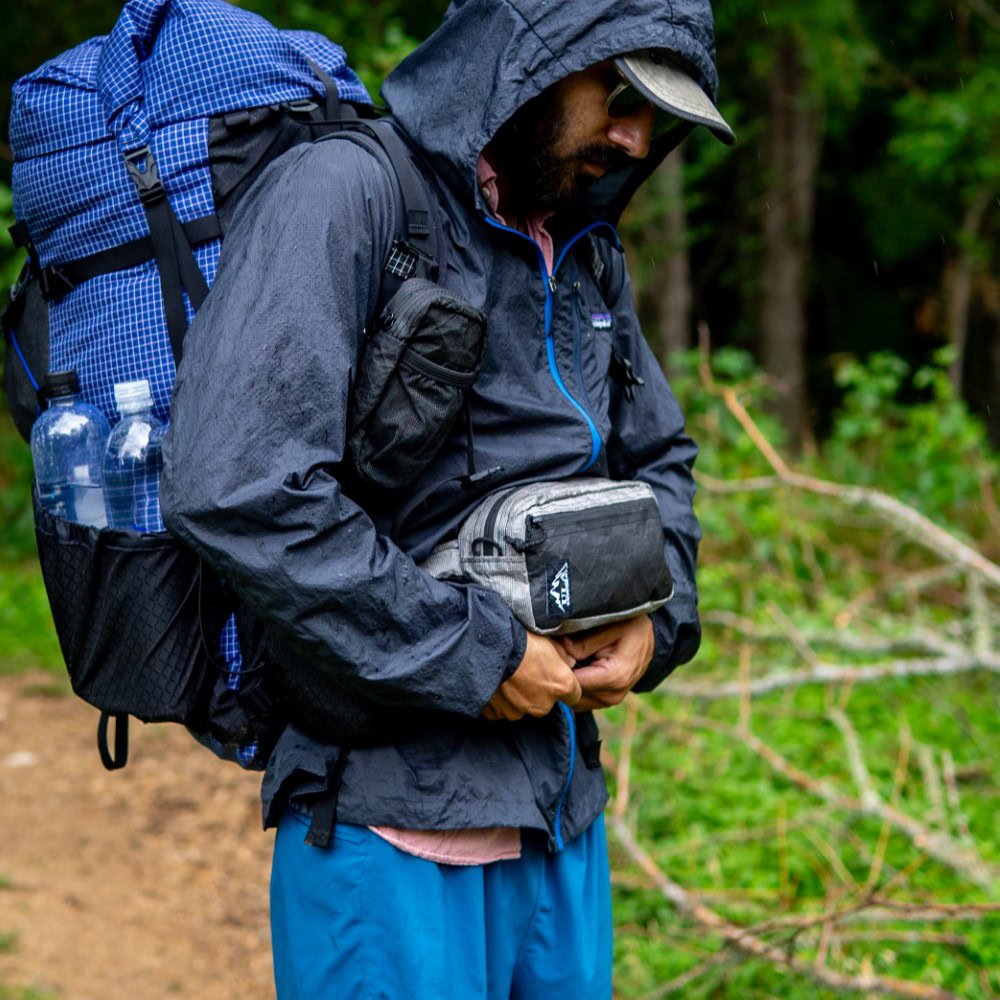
167	69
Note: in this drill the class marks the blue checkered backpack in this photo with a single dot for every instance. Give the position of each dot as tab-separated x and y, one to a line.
131	152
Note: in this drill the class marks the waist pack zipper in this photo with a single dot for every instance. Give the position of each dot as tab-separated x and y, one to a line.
416	362
491	523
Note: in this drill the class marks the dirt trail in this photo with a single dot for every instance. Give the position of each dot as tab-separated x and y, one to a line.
147	883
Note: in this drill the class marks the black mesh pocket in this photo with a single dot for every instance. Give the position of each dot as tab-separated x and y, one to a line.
418	363
131	613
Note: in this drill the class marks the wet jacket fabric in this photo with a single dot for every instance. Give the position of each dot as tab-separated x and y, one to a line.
254	474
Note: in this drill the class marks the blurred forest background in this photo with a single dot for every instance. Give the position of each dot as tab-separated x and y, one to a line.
813	807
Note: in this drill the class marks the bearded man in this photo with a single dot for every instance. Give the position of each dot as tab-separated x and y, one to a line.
465	858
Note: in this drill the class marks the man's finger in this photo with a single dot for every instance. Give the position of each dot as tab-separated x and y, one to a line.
584	645
565	655
588	704
598	676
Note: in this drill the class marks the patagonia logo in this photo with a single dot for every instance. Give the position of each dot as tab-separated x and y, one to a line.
600	321
560	596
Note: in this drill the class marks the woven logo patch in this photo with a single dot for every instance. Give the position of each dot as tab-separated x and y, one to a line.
600	321
560	594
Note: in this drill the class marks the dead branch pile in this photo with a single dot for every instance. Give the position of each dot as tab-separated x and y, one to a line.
860	911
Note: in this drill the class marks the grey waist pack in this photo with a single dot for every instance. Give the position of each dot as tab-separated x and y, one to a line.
565	556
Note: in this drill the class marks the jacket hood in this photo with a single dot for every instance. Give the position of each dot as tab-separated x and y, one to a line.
490	57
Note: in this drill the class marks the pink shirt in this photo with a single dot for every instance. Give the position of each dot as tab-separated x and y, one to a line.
534	227
499	843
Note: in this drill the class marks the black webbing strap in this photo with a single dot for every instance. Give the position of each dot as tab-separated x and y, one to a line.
332	94
57	280
420	221
324	806
174	257
120	758
421	260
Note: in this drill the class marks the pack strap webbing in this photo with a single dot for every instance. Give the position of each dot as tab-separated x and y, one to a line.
179	271
324	805
119	758
332	94
57	280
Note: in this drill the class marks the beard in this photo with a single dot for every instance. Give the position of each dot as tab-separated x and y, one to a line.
537	179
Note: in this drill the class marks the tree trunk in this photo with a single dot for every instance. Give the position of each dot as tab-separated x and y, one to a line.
791	159
959	294
672	282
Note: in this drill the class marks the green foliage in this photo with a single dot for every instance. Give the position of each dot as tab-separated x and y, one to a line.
376	35
929	451
952	137
27	636
11	260
24	993
17	535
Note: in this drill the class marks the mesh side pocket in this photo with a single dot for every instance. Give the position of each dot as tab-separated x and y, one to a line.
421	358
129	614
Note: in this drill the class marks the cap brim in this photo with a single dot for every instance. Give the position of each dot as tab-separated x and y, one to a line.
666	85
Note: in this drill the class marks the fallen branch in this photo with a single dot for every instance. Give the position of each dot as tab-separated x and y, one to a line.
907	937
911	522
943	848
625	760
755	484
913	642
687	978
892	909
753	945
835	673
855	759
932	785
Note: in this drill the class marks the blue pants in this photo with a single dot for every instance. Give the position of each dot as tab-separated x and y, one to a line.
362	920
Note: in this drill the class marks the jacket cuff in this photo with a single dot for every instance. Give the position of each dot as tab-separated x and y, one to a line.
674	644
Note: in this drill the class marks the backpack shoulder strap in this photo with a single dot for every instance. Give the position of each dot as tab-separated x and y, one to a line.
417	249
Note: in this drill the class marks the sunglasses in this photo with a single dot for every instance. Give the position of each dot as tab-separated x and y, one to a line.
625	100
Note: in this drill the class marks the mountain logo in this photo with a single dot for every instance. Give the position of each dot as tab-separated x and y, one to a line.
560	594
600	321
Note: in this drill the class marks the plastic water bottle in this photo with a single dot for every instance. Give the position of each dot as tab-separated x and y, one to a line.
67	448
133	462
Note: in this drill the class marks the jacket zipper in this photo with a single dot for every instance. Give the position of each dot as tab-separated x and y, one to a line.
578	341
549	281
568	712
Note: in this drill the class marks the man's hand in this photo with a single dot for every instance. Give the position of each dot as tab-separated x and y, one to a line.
544	676
618	656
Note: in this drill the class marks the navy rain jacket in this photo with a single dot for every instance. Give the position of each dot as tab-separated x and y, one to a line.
259	413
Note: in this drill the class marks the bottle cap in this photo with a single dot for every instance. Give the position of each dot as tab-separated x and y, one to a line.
58	384
133	395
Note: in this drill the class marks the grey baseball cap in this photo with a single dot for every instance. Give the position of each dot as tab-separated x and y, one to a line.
662	79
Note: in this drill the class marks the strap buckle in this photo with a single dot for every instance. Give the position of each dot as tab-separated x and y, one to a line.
147	179
53	283
21	285
623	373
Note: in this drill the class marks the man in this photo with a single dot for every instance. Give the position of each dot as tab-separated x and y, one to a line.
467	857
